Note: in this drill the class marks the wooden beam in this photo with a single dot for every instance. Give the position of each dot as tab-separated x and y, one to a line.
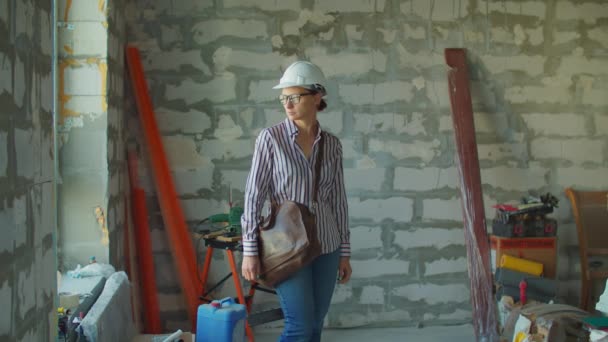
476	237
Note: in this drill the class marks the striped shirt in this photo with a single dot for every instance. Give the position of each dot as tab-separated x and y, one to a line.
280	171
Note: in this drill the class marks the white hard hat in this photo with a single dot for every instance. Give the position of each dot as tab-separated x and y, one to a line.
303	74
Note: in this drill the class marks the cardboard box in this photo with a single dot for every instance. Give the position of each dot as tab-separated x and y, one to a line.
542	250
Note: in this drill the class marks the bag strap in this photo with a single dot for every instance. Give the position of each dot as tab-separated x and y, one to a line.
317	174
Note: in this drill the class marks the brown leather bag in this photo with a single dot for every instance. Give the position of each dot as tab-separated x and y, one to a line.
289	241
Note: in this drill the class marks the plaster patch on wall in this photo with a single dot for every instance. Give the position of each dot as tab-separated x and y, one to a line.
182	153
6	74
348	64
225	57
367	269
434	294
192	121
217	149
562	37
527	8
372	295
267	5
496	152
342	294
531	65
443	266
501	35
218	90
7	220
555	124
208	31
306	16
419	82
277	41
425	179
27	146
170	34
6	301
575	150
589	12
426	10
535	35
417	60
376	93
599	34
428	237
24	18
425	150
364	179
3	154
26	291
227	129
358	319
350	6
353	32
538	94
399	209
365	237
19	82
4	20
414	32
174	60
520	34
457	315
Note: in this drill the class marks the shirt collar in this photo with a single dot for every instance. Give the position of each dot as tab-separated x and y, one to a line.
293	130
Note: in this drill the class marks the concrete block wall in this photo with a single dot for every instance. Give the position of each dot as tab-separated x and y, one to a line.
118	185
28	284
538	71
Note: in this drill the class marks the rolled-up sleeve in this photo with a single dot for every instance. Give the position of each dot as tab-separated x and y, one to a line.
341	205
256	192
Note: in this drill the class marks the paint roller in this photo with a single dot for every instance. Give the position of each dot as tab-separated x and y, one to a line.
521	265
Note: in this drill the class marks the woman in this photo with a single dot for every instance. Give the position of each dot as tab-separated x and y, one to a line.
282	169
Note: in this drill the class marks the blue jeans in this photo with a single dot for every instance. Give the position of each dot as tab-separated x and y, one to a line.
305	298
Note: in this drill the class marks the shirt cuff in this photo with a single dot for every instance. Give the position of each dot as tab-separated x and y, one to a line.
345	249
250	248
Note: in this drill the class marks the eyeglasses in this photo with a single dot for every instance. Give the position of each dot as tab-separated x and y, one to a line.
293	98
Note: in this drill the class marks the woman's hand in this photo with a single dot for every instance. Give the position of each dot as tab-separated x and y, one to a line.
251	268
344	270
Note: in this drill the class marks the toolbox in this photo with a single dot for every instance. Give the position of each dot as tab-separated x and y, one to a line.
537	227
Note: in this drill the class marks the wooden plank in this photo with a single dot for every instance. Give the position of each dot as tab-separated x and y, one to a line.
476	237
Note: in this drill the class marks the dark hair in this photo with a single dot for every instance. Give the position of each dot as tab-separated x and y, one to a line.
322	105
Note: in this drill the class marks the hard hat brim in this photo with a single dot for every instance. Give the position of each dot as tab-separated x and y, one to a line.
289	84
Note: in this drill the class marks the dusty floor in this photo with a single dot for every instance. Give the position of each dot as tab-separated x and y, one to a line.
459	333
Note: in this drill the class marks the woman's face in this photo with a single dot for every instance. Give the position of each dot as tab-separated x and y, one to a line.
307	106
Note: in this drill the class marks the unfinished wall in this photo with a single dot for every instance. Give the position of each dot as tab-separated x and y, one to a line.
27	247
118	185
91	128
539	76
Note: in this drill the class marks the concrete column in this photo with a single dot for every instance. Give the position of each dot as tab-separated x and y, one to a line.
82	132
